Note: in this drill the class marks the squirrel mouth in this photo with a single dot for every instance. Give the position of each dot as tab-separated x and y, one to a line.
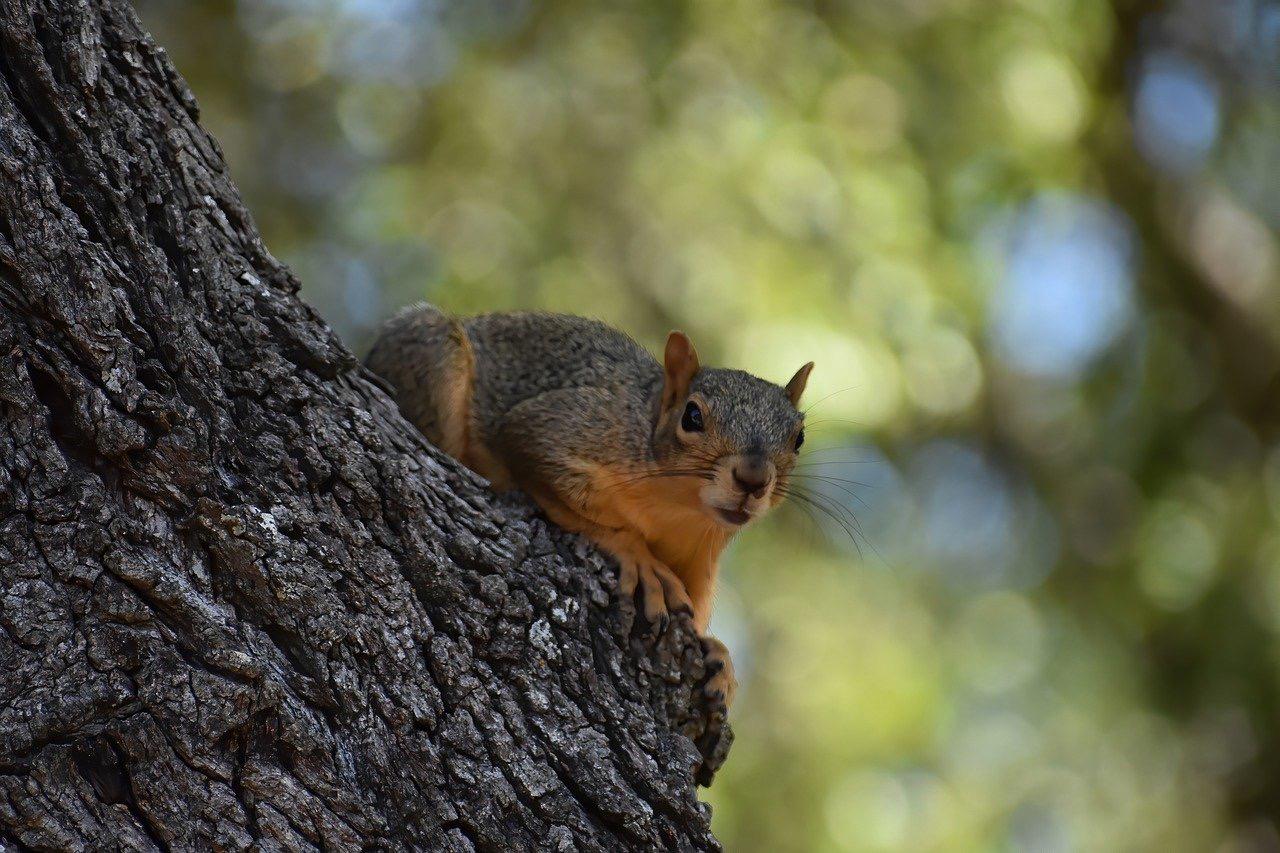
736	517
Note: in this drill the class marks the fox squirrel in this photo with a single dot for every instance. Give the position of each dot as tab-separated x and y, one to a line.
659	464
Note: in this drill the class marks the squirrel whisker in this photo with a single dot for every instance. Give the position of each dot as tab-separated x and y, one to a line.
821	421
822	400
842	485
655	475
828	463
838	513
840	447
831	479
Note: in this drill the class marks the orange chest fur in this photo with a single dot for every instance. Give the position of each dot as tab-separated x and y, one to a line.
667	512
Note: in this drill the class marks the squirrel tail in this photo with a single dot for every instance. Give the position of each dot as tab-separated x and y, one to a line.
427	358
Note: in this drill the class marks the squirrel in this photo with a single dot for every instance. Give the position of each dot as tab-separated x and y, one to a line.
659	463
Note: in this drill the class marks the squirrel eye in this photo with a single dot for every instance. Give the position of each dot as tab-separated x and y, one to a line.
799	438
692	418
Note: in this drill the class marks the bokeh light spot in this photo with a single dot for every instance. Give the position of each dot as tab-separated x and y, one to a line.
867	111
1044	95
1235	250
868	809
942	372
1000	642
1178	555
1176	113
1067	289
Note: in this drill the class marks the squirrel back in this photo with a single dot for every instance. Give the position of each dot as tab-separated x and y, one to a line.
458	380
522	355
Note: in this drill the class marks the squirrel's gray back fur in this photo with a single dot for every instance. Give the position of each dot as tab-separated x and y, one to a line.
752	413
524	357
522	354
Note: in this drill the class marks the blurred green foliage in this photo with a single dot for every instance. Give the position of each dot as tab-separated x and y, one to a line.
1031	245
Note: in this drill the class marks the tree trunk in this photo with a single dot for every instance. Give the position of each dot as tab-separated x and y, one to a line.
243	602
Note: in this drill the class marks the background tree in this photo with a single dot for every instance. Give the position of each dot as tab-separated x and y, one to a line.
242	601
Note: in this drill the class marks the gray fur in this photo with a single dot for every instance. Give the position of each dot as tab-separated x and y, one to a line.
547	385
525	355
409	353
749	413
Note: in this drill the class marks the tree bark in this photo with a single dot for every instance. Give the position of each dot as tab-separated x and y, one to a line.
243	603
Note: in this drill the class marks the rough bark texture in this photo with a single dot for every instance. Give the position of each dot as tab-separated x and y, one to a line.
242	601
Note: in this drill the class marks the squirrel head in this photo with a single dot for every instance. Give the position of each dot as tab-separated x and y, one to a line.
736	431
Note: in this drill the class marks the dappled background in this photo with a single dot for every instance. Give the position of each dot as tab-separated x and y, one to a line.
1033	601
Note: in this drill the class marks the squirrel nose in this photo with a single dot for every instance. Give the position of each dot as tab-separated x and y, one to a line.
752	476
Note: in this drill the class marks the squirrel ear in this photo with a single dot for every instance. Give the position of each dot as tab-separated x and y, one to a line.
796	386
680	361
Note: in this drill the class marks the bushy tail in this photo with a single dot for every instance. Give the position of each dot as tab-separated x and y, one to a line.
427	358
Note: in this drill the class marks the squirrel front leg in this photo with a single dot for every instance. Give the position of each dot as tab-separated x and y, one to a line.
721	683
541	442
663	590
640	569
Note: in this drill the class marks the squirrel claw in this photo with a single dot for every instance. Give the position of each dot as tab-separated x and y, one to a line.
659	625
717	693
662	591
721	683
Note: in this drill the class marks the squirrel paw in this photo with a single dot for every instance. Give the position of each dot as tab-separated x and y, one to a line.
715	737
721	683
663	591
